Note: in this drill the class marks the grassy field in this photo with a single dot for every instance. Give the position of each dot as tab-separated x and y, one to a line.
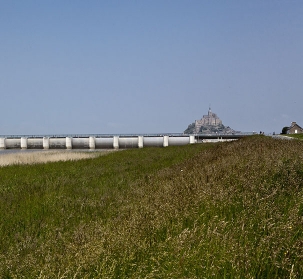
225	210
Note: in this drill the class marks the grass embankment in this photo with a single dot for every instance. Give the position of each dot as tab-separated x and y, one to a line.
229	210
296	136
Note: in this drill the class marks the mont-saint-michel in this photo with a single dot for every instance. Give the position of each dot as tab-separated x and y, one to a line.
209	124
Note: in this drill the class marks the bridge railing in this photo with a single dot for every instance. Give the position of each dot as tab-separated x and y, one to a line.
125	135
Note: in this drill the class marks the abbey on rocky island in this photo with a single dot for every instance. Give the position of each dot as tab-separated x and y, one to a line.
208	124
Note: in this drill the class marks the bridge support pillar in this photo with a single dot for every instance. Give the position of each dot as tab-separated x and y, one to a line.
116	142
92	143
45	143
191	139
68	143
2	143
165	141
140	141
23	143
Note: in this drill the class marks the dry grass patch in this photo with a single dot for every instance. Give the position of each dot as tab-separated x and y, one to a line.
38	157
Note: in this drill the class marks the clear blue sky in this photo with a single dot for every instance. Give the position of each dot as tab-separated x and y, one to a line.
149	66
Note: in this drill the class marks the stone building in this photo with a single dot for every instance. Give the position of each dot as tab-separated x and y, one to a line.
295	129
210	119
208	124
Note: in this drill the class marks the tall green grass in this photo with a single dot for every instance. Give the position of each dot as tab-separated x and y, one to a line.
228	210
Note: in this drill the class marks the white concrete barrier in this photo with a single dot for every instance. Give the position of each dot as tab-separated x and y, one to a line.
12	143
140	141
128	142
34	143
2	143
92	143
57	143
80	143
177	141
153	141
165	141
45	143
97	142
68	143
104	143
23	143
116	142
